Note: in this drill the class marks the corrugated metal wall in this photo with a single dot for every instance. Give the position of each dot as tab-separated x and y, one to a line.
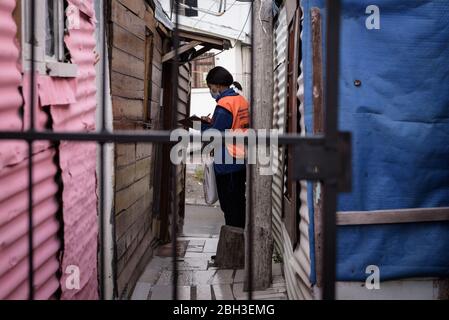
279	122
14	229
296	260
299	263
14	186
78	160
10	80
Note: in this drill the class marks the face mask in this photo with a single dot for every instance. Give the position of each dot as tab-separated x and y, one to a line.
214	95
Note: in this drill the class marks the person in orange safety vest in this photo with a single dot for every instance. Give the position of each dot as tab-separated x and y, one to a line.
231	113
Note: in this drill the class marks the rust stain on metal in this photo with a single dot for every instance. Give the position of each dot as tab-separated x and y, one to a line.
318	128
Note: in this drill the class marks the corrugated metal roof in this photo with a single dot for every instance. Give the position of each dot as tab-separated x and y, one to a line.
162	16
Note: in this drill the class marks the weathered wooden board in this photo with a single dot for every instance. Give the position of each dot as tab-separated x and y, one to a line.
392	216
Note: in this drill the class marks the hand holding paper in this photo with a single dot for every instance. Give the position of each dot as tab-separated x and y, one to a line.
188	122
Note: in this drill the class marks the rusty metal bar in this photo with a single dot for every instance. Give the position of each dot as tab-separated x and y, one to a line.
330	186
153	136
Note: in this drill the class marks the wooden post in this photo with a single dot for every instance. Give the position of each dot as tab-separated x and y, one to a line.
259	196
230	249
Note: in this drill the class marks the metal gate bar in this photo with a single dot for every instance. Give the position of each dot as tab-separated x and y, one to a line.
104	130
324	158
330	185
175	82
30	157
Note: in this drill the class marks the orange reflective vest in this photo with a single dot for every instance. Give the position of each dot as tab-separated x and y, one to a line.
239	108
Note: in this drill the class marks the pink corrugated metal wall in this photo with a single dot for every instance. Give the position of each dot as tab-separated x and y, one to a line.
10	79
78	161
77	164
14	183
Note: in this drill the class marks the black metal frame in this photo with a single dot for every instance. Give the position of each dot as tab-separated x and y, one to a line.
324	158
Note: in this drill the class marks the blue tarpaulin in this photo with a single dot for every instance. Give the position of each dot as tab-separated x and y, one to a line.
399	120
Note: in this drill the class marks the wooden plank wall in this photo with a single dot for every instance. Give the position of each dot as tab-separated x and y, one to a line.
136	75
183	112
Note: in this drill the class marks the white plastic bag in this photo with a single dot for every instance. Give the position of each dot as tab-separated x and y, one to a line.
209	182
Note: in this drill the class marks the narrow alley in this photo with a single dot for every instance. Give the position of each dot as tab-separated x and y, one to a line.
198	279
290	150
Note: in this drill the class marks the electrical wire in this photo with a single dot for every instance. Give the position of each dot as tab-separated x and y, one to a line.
205	14
243	28
238	37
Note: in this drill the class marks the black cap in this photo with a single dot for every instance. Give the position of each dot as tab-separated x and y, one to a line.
220	76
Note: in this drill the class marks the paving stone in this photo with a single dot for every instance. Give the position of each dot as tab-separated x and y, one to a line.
278	296
141	291
195	249
278	279
167	249
269	291
238	292
197	243
185	278
194	238
202	255
159	263
165	279
211	245
223	277
189	264
198	236
203	277
203	293
161	293
150	275
279	285
223	292
277	269
194	270
239	276
184	293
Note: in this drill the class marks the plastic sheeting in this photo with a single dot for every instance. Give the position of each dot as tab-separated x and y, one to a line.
399	118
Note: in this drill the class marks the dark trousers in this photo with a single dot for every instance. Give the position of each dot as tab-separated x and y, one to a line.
231	193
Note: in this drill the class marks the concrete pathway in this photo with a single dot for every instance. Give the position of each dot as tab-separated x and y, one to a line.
197	279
